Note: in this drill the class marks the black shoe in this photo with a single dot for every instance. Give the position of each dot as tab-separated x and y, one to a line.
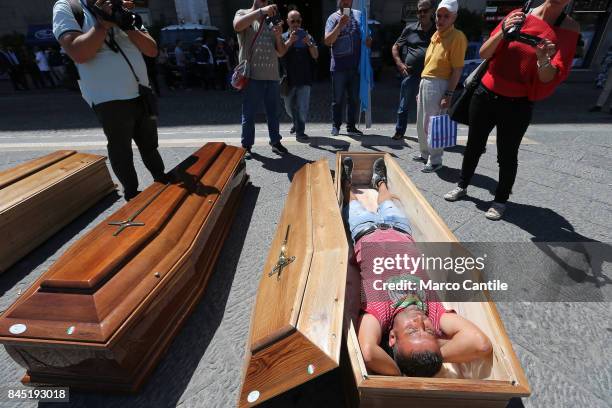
292	130
347	170
302	138
353	131
163	178
279	149
128	196
379	172
397	136
595	109
248	155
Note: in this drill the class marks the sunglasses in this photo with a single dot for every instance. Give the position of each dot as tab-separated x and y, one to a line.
295	21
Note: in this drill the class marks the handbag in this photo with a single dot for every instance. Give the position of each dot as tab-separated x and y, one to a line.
442	132
240	76
459	110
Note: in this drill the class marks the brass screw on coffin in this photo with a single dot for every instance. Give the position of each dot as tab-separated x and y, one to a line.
157	275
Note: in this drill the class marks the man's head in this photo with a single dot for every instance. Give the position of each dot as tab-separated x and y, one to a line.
294	20
424	11
415	345
446	14
345	3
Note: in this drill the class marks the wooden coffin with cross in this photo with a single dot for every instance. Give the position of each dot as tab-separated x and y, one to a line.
41	196
103	315
295	326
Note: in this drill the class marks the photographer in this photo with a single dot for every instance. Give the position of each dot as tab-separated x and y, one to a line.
113	80
519	73
299	64
259	31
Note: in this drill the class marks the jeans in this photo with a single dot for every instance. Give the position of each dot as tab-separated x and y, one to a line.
431	91
123	121
345	82
360	219
254	94
297	104
408	91
512	117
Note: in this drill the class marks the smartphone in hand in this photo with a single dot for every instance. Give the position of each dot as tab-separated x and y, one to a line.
346	11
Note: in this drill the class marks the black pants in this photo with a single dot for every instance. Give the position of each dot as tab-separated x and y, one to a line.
511	116
123	121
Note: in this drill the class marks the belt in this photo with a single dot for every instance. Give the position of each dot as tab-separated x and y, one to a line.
494	95
373	228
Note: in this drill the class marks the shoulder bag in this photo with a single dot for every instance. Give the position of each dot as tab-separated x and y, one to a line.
240	76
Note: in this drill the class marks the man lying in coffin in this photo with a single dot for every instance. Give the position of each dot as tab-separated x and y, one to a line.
419	332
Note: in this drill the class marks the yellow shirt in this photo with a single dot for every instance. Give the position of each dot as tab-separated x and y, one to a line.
445	52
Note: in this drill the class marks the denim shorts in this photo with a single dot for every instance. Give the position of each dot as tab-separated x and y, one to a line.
360	219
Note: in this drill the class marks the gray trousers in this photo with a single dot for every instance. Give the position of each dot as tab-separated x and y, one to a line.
431	91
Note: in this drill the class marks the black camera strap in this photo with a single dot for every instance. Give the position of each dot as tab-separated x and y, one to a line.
113	45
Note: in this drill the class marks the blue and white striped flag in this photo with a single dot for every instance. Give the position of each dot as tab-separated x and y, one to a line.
442	132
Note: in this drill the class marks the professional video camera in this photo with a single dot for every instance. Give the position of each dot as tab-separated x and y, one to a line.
514	33
120	15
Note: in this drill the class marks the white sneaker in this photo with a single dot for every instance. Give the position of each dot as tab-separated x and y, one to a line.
431	168
496	212
455	194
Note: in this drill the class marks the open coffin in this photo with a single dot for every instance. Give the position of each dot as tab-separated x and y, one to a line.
294	326
102	316
41	196
479	384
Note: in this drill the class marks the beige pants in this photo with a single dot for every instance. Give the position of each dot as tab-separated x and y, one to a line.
431	91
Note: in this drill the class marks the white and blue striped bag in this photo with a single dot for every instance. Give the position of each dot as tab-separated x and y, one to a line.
442	132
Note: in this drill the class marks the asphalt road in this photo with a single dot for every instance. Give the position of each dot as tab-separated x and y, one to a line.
563	193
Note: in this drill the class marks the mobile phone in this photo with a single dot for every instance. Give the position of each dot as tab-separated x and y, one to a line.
301	34
346	11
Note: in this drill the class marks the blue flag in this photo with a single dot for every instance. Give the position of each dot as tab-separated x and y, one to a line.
366	83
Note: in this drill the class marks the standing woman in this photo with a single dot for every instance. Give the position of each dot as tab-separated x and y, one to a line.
444	62
518	75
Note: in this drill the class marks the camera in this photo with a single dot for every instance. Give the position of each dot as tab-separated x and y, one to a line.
124	18
274	20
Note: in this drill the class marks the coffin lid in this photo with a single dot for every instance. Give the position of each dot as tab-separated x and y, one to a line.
296	325
104	277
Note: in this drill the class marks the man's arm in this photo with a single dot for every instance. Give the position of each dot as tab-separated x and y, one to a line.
332	35
467	341
376	359
242	22
452	85
144	42
281	47
84	47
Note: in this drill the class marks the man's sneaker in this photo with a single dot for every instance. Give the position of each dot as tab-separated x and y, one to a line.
347	169
353	131
292	130
397	136
302	138
417	157
379	172
248	155
130	195
455	194
335	131
279	149
431	168
496	212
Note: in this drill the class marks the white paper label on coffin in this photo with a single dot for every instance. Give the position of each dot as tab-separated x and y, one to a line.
18	328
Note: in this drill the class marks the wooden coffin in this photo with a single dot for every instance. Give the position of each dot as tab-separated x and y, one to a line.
102	316
40	197
479	384
296	323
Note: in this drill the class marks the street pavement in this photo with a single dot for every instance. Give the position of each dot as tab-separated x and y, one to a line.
563	193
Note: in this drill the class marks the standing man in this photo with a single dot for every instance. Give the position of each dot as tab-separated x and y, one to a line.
299	63
260	40
101	51
412	44
9	60
181	62
343	35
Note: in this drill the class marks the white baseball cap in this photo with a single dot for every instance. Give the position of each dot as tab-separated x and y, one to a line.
450	5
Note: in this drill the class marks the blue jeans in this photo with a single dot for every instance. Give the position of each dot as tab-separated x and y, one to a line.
297	104
360	219
408	91
345	82
255	93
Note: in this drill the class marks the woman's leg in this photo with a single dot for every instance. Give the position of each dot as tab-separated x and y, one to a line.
482	122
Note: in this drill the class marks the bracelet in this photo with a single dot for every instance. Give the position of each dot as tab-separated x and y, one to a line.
544	64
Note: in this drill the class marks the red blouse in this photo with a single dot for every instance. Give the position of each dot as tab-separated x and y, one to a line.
513	71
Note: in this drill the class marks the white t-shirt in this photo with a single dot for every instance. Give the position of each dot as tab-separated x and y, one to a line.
41	61
107	76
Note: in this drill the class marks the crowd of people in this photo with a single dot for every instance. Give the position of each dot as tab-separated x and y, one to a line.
37	67
280	65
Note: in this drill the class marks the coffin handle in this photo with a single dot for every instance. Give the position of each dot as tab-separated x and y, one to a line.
283	259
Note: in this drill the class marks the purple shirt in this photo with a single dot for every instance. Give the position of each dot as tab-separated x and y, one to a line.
346	51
